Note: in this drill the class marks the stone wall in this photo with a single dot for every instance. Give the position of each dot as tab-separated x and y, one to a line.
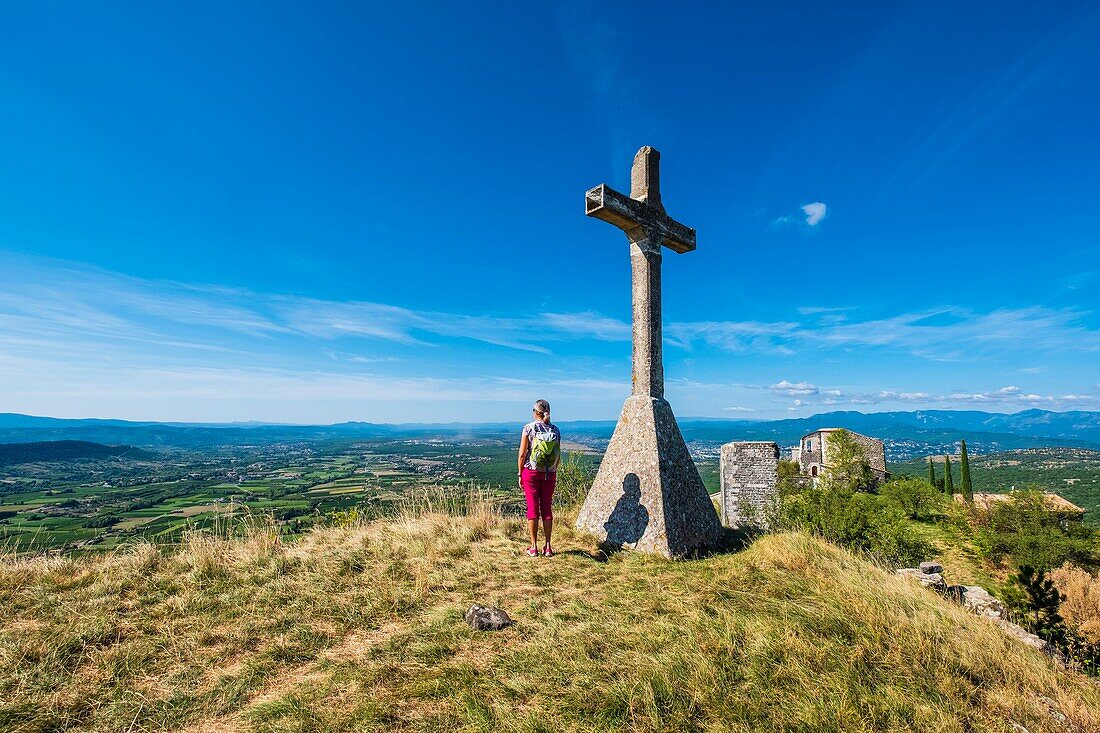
819	455
876	454
749	473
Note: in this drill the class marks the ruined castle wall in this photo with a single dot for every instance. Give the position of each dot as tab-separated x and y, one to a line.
873	448
749	473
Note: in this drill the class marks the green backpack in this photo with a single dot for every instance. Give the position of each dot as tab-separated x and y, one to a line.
545	447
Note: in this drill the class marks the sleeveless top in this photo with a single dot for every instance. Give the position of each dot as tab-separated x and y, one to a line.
546	431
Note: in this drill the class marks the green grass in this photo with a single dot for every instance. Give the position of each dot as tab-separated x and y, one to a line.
360	628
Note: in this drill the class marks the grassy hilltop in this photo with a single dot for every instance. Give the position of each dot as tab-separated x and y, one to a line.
360	628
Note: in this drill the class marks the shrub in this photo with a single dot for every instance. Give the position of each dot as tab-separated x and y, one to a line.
574	481
790	478
1024	531
102	520
1080	593
854	520
1070	622
1039	610
344	518
915	498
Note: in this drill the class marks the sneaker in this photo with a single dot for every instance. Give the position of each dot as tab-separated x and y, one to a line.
533	551
547	551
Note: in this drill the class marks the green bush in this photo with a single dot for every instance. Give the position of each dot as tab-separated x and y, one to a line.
915	498
1024	531
575	475
855	520
1035	598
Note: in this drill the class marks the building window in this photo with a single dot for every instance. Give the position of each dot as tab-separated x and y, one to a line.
813	471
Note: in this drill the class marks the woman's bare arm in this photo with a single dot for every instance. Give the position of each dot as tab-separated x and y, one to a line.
523	447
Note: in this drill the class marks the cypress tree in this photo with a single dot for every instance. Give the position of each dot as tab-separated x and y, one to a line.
948	482
964	470
931	472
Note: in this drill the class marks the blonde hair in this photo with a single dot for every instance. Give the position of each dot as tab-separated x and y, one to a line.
542	407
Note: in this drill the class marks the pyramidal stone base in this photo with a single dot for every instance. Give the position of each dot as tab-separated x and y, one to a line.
648	495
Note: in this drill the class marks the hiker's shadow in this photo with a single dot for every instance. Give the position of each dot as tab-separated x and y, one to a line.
625	525
629	518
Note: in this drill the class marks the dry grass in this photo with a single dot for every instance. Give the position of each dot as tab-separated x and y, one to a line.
1080	593
360	628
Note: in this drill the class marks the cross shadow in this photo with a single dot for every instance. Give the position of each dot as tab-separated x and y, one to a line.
629	519
735	540
600	555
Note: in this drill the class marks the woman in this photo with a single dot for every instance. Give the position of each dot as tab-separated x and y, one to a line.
539	455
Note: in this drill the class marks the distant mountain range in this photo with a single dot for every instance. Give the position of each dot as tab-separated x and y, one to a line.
911	434
906	433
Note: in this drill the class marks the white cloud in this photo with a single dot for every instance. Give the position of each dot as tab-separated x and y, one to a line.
814	212
45	300
738	409
793	388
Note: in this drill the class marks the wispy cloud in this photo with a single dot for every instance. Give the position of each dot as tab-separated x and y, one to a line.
992	108
51	301
942	334
1008	397
813	310
71	335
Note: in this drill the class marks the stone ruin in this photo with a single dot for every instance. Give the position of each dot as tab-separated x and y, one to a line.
812	453
749	471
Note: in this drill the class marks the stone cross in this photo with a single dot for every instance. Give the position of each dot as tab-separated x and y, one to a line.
647	494
643	218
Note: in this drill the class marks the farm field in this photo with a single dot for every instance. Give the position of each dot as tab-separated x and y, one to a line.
98	504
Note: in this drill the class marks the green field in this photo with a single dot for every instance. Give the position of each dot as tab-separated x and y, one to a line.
99	504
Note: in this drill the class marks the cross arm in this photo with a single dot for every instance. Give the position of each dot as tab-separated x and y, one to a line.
624	212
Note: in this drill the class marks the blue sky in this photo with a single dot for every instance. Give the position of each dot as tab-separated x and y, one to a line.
310	213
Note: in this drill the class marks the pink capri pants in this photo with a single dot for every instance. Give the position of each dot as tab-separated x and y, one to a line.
538	488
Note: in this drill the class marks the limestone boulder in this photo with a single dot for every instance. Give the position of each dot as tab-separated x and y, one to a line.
934	581
979	601
487	618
